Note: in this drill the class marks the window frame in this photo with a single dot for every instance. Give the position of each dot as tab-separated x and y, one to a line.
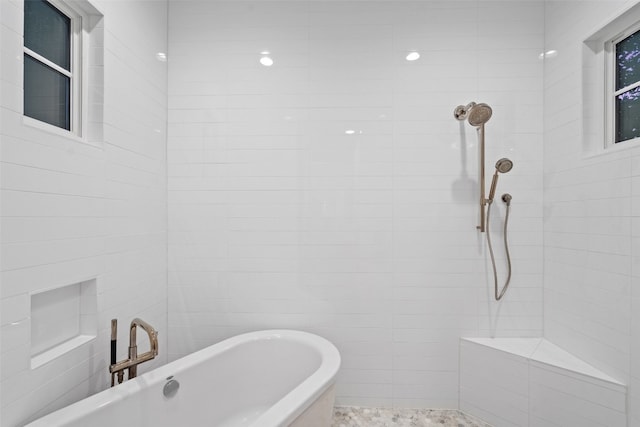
78	92
610	85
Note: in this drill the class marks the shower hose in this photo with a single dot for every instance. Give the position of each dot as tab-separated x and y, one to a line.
499	296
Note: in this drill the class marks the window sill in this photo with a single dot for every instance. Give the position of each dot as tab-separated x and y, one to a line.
46	127
620	147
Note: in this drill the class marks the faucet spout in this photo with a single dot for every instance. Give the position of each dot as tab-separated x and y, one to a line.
133	347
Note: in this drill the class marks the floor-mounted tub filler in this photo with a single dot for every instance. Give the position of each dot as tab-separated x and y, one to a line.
267	379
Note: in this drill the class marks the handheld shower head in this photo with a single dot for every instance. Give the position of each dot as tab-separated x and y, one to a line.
503	165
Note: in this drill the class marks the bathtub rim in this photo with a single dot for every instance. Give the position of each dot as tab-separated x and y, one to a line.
282	413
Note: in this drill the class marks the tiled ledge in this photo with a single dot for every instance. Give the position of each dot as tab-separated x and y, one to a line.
531	382
543	351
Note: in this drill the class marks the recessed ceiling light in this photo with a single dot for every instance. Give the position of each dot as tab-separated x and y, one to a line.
266	61
412	56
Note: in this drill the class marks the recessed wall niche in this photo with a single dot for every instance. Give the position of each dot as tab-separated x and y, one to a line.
62	319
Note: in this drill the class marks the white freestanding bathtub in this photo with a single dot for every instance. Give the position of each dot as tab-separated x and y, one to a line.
266	379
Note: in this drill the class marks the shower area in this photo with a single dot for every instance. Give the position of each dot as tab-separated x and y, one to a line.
318	181
333	191
312	176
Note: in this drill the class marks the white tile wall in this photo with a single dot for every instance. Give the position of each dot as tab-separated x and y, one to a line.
72	211
634	372
278	218
590	252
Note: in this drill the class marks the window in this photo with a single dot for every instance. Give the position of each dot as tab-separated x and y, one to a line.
611	85
624	97
64	84
51	64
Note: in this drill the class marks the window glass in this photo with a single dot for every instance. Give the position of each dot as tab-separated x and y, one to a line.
628	115
626	94
628	61
47	32
46	94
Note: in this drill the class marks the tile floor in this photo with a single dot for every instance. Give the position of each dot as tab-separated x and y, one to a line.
353	416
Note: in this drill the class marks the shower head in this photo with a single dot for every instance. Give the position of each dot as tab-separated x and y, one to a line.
479	114
503	165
